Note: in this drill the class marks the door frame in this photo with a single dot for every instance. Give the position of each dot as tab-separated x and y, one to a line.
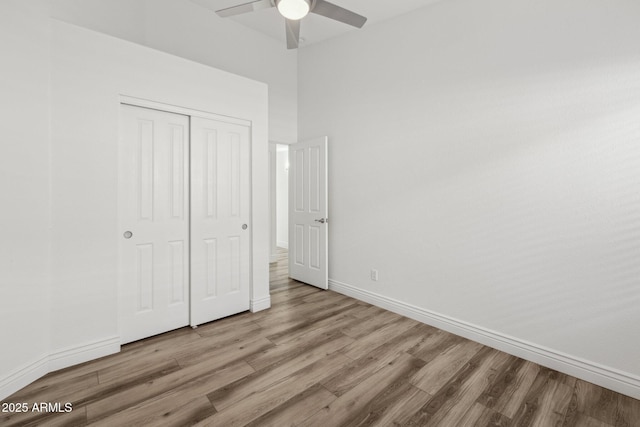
273	197
273	213
255	305
185	111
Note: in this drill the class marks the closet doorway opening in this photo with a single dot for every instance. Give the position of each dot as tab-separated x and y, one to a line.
184	217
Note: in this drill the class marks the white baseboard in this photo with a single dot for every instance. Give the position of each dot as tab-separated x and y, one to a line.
83	353
260	304
283	244
23	376
57	360
604	376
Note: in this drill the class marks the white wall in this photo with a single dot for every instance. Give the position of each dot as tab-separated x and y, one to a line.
282	196
185	29
61	87
125	19
485	158
24	185
89	72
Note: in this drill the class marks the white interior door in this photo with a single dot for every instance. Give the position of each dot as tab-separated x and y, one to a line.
308	207
221	219
154	222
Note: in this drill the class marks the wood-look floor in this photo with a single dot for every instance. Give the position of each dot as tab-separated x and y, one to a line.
317	358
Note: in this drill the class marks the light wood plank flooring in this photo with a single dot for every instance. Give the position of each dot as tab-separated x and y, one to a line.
317	358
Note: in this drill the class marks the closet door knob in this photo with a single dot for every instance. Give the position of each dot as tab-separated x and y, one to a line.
128	234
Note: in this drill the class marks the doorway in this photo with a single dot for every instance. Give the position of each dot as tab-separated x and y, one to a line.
299	209
282	196
279	198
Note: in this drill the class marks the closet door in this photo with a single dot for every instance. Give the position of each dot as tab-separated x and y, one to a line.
220	219
154	222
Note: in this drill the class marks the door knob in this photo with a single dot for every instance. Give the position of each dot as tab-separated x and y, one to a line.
128	234
321	220
244	226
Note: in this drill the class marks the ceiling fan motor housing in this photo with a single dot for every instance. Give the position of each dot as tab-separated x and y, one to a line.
294	9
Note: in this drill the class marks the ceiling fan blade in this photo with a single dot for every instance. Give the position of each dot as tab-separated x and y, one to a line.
244	8
293	33
338	13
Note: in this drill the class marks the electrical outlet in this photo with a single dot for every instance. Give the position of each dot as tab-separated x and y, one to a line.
374	275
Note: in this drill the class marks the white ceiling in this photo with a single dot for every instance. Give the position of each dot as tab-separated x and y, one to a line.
315	28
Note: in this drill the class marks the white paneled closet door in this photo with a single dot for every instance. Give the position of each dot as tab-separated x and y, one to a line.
220	219
154	222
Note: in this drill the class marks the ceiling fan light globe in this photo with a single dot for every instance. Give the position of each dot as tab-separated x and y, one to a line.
294	9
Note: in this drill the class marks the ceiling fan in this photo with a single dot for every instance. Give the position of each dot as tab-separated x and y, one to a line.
294	10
